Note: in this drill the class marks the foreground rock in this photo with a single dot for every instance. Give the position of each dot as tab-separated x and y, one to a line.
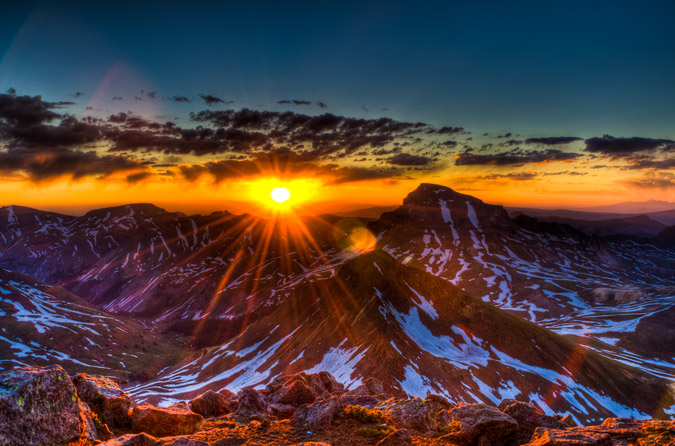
105	398
132	440
252	405
400	437
39	406
576	436
318	414
484	425
165	421
528	418
211	404
416	413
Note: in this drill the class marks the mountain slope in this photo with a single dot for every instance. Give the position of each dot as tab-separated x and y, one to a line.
418	334
41	324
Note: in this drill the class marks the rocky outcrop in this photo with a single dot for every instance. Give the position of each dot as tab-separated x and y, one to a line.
528	418
575	436
40	406
318	414
211	404
400	437
252	405
484	425
105	398
415	413
165	421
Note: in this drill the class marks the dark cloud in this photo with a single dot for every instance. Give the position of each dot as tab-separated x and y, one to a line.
659	180
137	177
518	176
211	100
321	104
515	157
637	162
294	102
611	146
406	159
511	143
26	111
181	99
117	98
449	143
552	140
77	94
449	130
48	164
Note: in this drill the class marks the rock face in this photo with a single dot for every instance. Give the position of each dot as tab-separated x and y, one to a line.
165	421
416	413
318	414
301	388
105	398
529	418
210	404
39	406
252	406
400	437
575	436
484	425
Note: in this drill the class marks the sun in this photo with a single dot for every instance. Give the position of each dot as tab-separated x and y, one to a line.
280	194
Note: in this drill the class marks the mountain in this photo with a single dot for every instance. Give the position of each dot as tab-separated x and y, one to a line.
255	298
43	324
417	334
638	226
373	212
634	207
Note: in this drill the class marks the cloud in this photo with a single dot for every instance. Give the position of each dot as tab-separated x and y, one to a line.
518	176
26	111
183	99
552	140
321	104
77	94
48	164
658	180
617	147
211	100
406	159
117	98
449	130
294	102
514	157
641	162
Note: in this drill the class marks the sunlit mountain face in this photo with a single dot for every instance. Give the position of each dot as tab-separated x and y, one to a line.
334	224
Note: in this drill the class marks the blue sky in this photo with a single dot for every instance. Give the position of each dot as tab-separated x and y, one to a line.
578	68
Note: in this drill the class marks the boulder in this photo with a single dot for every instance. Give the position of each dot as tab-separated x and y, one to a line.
183	441
132	440
359	400
295	392
529	418
318	414
252	406
415	413
283	411
400	437
483	424
575	436
105	398
371	386
443	418
165	421
210	404
319	384
39	405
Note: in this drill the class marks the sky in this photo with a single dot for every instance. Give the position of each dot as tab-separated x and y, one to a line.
205	105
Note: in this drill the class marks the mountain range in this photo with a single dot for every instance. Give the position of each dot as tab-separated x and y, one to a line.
456	297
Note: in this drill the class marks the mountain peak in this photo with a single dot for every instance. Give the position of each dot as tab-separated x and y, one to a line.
145	209
427	193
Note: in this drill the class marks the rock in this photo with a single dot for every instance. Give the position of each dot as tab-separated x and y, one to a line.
182	441
359	400
400	437
132	440
320	384
371	386
529	418
210	404
415	413
105	398
252	406
443	418
568	421
283	411
318	414
104	433
295	393
483	424
312	443
576	436
165	421
39	405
